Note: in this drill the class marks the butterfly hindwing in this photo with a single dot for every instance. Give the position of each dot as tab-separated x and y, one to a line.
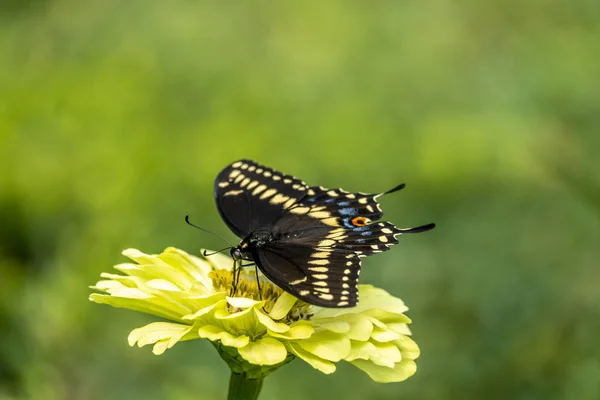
251	196
325	277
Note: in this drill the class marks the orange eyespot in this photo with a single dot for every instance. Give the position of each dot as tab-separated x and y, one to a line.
360	221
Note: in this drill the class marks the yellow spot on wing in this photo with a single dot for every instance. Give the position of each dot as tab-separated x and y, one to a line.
383	239
386	230
268	193
237	164
322	254
259	189
363	200
320	276
319	262
320	214
326	243
233	192
318	269
278	199
239	178
326	296
300	210
330	221
252	185
289	203
297	281
223	184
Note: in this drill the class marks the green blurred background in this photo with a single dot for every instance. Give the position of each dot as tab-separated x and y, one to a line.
115	117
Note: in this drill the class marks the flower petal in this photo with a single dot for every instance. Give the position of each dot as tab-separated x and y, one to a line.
158	268
401	371
384	335
214	333
242	302
269	323
408	347
205	310
316	362
385	354
327	345
241	321
265	351
219	261
162	284
333	325
156	331
282	306
146	305
298	331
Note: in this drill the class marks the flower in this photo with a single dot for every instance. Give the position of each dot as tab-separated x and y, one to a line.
257	330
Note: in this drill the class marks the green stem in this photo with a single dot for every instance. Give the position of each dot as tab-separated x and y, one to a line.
243	388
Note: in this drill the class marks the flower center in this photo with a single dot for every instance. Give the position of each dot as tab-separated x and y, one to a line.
247	287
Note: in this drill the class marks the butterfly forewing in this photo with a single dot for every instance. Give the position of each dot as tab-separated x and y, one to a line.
251	196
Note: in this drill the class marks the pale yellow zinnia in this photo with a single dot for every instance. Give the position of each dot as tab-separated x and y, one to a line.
252	330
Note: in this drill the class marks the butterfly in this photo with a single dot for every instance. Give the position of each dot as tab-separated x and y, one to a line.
308	240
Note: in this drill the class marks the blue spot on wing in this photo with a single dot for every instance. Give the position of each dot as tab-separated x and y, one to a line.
348	211
366	233
343	203
360	228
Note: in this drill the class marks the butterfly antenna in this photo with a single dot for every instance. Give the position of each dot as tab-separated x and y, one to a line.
212	253
187	220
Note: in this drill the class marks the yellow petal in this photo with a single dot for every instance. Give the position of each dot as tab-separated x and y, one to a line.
162	284
243	302
384	335
314	361
214	333
156	331
327	345
282	306
401	371
219	261
265	351
203	311
269	323
408	347
299	331
334	325
149	306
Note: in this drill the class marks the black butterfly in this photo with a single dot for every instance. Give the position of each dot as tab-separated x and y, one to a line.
307	240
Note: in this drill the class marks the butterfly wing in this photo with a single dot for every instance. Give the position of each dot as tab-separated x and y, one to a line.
319	243
252	197
321	276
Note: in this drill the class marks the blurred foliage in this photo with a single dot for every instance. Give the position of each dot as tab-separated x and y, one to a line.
115	117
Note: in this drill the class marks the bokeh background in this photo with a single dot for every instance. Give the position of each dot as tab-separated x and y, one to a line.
115	117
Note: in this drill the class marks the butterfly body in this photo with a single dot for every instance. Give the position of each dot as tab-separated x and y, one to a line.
307	240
